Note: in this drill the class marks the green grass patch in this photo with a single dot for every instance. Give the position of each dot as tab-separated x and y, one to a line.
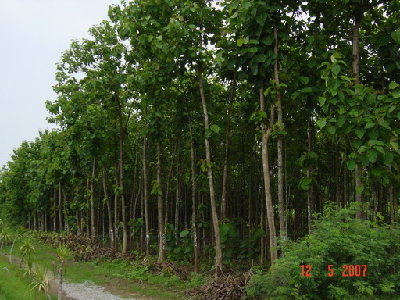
13	285
131	277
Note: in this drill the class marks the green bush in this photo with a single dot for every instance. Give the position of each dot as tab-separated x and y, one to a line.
338	239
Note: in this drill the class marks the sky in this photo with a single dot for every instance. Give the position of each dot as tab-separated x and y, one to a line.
33	35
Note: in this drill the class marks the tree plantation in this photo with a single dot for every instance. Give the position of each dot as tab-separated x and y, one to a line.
218	133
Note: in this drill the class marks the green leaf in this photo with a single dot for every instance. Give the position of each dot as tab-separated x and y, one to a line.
341	120
395	94
396	35
215	128
260	58
258	116
321	123
360	189
267	41
351	165
362	149
260	19
335	69
388	158
393	85
331	129
360	132
184	233
304	80
305	183
369	125
307	90
395	145
254	69
372	156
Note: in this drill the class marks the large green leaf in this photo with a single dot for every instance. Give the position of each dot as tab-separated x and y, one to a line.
396	36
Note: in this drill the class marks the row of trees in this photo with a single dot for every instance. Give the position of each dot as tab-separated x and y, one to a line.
222	124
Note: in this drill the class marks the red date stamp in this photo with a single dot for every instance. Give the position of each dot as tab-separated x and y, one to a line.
347	270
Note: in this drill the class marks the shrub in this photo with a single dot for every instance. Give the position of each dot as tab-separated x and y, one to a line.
338	239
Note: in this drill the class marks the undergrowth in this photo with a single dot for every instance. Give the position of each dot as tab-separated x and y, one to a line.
338	239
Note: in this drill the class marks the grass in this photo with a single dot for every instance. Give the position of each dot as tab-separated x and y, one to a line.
130	278
13	285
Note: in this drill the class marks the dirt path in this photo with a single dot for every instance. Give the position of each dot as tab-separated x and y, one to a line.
79	291
86	291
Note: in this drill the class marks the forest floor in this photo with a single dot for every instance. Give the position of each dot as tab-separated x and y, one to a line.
105	280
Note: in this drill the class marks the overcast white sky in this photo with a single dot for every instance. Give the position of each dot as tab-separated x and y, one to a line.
33	35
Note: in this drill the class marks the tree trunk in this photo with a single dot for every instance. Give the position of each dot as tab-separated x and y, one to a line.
194	205
146	197
168	182
66	225
310	192
177	203
356	73
92	205
161	228
60	281
214	216
266	132
121	188
391	203
60	221
227	141
116	212
109	211
281	205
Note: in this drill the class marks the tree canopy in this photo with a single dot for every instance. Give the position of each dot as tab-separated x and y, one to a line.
198	129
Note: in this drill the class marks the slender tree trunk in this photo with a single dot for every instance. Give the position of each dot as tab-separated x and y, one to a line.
281	177
168	182
391	203
345	187
214	216
395	205
133	215
60	210
116	212
310	192
66	225
60	280
92	204
194	205
356	72
78	223
109	211
146	197
122	191
142	217
375	203
86	216
131	200
161	228
42	221
227	141
266	132
262	241
177	204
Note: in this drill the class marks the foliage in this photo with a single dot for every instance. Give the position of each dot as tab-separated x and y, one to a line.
338	239
26	250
